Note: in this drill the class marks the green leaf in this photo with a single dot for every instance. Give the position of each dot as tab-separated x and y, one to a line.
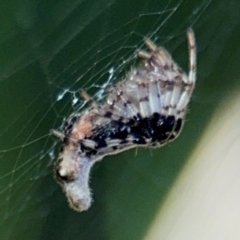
51	49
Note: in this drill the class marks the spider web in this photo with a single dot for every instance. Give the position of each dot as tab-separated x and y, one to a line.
49	52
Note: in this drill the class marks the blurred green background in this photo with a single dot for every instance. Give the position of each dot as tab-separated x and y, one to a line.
51	49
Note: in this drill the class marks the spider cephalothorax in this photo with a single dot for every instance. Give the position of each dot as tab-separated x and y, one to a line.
146	108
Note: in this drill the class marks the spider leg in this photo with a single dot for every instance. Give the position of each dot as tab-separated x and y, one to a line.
142	96
88	98
119	106
129	99
154	96
118	146
190	83
89	143
176	93
184	98
192	56
151	45
143	54
128	105
57	134
112	104
180	100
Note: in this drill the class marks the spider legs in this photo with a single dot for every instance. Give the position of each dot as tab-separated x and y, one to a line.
189	82
192	56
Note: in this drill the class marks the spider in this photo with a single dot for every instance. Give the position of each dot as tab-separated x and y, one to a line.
146	108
